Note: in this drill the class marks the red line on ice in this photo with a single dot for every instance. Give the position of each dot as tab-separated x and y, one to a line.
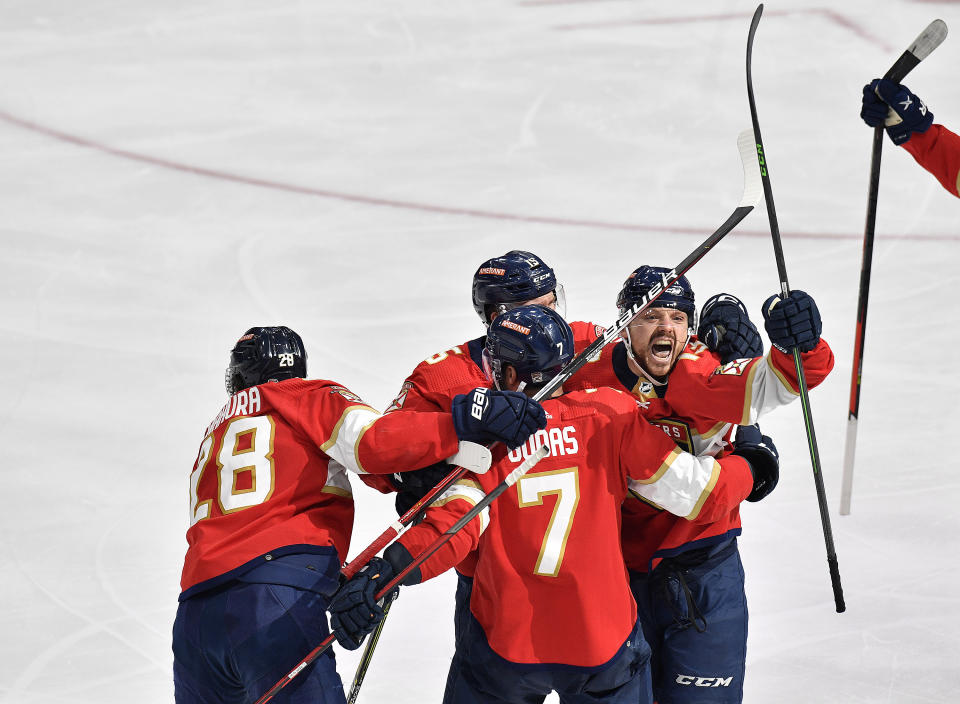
831	15
409	205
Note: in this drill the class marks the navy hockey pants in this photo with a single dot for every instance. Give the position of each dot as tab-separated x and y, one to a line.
693	610
461	625
232	644
480	676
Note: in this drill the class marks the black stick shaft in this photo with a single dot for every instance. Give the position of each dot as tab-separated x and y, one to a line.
798	362
928	40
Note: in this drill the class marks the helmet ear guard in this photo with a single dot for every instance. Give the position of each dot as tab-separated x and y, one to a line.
517	277
264	354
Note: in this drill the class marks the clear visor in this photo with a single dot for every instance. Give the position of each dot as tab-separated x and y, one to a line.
490	368
228	375
556	299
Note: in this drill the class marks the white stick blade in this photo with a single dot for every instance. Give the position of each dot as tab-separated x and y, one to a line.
929	39
846	489
752	180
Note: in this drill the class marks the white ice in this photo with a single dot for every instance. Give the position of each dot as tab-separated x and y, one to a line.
174	172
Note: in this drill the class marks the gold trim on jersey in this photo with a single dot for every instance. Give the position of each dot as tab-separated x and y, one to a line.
780	375
332	440
648	395
336	491
721	425
356	445
558	492
707	490
655	477
748	391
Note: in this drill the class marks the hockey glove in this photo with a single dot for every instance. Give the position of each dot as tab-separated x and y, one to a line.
354	610
485	416
794	322
413	486
725	328
761	454
896	108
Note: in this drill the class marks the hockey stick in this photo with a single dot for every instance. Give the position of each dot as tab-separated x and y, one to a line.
798	363
923	45
752	192
367	656
442	540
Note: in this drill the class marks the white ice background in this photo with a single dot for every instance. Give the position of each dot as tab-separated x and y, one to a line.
174	172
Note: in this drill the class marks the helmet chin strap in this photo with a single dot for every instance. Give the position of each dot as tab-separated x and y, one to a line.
640	366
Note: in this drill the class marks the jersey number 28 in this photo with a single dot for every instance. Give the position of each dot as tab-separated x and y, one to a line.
246	449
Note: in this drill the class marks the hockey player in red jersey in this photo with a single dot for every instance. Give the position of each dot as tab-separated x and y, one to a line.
909	124
551	608
499	284
687	576
271	513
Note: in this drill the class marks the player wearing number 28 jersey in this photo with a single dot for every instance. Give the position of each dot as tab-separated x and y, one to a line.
271	513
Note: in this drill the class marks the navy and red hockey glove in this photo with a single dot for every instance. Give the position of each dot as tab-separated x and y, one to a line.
413	486
792	322
892	105
762	456
725	327
354	609
485	416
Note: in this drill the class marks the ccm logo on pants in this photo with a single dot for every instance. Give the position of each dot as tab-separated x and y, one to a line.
704	681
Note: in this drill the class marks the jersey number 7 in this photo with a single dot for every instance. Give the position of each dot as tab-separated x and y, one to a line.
531	488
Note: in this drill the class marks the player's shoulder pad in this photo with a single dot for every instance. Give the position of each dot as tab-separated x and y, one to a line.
583	330
600	401
325	385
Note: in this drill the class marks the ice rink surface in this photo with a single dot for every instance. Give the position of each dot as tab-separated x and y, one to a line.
175	172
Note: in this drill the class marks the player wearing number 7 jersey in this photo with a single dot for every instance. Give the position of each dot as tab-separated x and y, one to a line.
271	513
551	608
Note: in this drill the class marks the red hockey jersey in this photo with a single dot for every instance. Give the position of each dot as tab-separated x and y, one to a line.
550	584
270	473
697	409
436	380
938	151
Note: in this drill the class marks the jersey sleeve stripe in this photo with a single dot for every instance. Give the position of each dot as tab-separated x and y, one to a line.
681	485
707	490
786	383
344	441
470	492
720	427
749	392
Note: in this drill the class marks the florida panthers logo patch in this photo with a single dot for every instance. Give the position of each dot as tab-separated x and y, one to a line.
735	368
346	393
401	397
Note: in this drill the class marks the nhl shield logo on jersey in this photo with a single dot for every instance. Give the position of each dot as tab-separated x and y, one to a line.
645	393
735	368
401	397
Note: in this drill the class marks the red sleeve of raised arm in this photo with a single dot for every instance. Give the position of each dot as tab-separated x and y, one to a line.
938	151
817	364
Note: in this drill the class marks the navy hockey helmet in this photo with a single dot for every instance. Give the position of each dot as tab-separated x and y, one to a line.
513	279
265	354
679	295
534	340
